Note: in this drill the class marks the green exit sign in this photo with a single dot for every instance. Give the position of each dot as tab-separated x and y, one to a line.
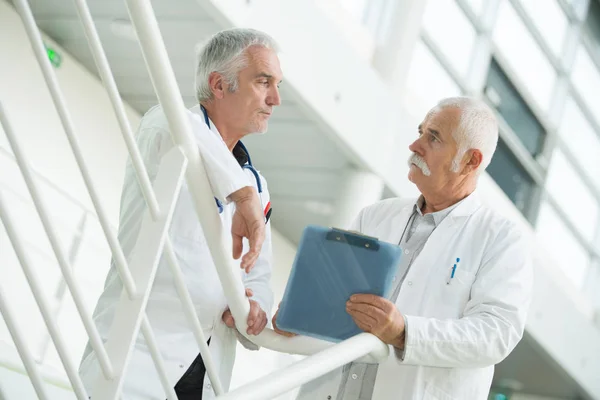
53	56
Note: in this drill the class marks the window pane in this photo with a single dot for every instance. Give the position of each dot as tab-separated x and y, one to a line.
455	43
562	246
579	136
592	25
513	109
508	173
552	23
579	6
586	79
428	81
572	195
524	56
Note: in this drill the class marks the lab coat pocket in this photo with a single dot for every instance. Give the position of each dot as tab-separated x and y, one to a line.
434	393
453	294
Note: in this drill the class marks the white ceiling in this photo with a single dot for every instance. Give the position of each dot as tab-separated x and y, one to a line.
300	162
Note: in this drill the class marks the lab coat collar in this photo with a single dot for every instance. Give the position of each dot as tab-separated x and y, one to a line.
238	152
464	208
197	110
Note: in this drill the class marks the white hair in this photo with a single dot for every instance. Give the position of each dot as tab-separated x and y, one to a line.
225	53
477	128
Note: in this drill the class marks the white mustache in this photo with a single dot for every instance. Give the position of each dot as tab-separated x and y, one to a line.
420	163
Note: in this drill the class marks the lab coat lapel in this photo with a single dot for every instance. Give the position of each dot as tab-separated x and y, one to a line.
398	224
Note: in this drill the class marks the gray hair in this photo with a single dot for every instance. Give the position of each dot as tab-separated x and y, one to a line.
477	128
225	53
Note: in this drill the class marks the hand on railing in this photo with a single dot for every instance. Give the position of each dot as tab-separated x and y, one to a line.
257	318
248	221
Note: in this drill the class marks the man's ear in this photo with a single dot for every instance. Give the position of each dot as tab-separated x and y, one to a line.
474	160
216	84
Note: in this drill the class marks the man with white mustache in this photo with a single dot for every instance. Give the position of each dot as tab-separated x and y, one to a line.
463	287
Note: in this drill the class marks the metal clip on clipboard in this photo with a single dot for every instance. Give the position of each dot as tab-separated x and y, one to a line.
353	238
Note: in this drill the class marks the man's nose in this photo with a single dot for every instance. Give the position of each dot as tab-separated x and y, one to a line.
274	98
415	147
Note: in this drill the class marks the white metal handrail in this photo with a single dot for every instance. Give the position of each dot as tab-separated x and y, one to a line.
36	289
115	99
63	261
26	356
37	45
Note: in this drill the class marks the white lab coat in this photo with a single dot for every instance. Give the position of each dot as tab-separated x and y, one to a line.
455	332
165	313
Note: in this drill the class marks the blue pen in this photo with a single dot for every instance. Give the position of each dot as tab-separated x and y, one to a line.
452	271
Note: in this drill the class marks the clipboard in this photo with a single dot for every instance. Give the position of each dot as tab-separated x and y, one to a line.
331	265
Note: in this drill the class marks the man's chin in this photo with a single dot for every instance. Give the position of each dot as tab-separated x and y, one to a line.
262	129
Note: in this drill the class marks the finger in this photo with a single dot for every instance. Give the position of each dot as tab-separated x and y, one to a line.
248	261
362	326
279	331
237	245
253	314
255	242
259	324
368	309
228	319
363	318
376	301
249	292
263	323
283	333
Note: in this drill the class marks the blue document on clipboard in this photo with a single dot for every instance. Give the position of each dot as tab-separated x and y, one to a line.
330	266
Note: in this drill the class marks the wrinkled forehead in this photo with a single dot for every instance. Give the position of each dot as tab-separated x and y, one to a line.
444	120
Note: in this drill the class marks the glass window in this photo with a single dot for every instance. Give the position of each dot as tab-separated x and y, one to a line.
428	81
523	55
456	43
572	195
579	136
586	79
592	25
561	245
509	174
579	7
509	103
377	17
552	23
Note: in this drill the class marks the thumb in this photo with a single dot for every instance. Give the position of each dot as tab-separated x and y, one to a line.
228	318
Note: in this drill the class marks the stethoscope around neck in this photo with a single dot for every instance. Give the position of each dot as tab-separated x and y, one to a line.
248	165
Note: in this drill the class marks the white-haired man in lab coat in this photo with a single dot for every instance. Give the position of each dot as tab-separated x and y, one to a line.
463	287
237	86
